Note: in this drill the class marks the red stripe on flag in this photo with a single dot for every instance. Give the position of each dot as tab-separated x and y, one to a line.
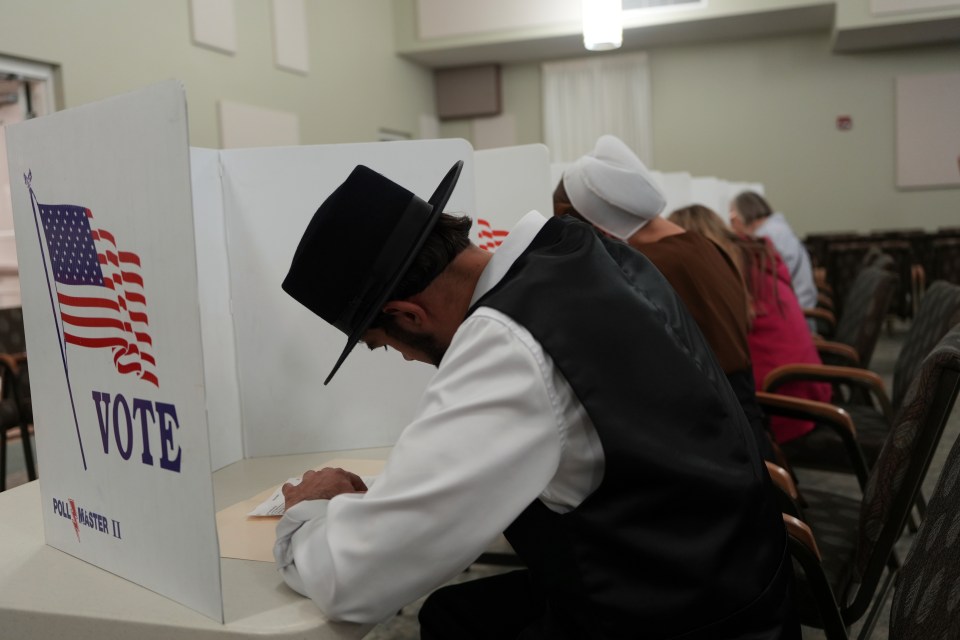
79	321
75	301
129	258
95	343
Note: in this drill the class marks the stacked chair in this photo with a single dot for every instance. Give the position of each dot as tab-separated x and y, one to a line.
853	338
862	394
926	596
907	252
16	408
844	547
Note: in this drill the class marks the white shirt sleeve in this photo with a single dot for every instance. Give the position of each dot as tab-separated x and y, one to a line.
486	441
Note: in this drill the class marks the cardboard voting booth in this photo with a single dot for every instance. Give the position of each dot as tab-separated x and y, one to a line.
511	181
105	241
161	345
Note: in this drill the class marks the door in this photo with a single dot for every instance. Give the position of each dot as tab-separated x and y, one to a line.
26	91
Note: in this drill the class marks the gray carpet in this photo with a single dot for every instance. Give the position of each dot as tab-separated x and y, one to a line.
404	625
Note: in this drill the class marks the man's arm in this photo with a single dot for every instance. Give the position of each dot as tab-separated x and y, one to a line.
485	443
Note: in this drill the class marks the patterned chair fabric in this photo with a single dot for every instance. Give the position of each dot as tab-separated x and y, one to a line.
12	338
864	310
945	259
939	310
844	261
912	440
16	412
854	565
16	408
926	603
821	448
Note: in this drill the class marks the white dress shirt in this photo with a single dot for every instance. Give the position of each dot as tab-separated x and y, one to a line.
497	428
794	255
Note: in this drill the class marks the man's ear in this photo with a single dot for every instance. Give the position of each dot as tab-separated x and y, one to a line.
408	315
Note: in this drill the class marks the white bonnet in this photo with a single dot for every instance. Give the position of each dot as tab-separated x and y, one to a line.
613	189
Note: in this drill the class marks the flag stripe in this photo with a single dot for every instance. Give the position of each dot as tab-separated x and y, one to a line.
86	302
94	342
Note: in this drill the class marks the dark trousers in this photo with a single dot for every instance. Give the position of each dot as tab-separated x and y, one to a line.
506	607
500	607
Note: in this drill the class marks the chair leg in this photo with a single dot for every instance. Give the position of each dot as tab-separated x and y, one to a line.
28	452
873	615
913	523
3	459
921	505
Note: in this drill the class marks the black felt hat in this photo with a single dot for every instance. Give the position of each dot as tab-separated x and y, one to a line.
358	245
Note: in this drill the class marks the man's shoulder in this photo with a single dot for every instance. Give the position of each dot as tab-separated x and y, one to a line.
490	323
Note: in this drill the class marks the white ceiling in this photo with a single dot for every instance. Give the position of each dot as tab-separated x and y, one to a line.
809	17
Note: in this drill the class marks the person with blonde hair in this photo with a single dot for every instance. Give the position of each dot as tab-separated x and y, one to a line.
778	332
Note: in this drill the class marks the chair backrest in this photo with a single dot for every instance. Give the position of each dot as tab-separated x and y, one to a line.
925	601
895	479
12	338
844	261
945	259
22	392
864	310
939	310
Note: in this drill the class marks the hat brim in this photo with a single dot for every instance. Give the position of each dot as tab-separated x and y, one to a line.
438	201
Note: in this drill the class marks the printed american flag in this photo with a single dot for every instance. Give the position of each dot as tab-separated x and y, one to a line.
490	238
99	290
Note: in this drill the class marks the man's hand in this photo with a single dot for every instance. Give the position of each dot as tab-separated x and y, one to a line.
322	485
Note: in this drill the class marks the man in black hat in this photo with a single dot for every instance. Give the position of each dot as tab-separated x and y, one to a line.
612	454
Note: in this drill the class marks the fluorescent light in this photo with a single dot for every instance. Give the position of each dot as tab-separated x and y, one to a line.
602	24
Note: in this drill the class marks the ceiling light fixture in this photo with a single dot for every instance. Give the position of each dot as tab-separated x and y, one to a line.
602	24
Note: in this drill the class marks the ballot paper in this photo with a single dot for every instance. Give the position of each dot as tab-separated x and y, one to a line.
274	505
251	537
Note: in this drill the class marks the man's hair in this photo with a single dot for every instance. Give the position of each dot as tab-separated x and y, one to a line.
562	205
751	206
447	239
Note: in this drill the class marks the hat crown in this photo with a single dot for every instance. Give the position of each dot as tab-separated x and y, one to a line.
613	189
358	245
333	261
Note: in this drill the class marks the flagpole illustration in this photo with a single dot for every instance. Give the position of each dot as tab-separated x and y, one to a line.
28	178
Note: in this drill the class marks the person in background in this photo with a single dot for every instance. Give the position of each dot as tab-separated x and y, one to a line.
751	214
575	407
778	332
612	190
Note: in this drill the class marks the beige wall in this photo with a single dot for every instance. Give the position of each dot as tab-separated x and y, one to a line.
751	110
765	110
104	47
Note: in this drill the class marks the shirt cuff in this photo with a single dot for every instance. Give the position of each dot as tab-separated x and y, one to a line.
290	523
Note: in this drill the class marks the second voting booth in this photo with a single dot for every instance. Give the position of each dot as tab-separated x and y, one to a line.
161	345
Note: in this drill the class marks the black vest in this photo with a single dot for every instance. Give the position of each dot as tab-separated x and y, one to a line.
683	531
